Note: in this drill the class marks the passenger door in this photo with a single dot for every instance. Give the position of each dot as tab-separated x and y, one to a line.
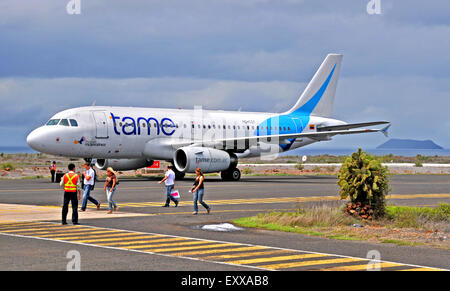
101	124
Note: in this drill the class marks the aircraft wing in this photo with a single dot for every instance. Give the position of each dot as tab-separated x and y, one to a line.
274	139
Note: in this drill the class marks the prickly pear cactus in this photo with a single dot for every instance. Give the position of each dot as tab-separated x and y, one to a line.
363	179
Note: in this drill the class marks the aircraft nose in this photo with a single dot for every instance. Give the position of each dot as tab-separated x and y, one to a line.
34	140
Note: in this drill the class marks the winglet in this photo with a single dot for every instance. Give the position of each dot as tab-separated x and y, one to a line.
385	130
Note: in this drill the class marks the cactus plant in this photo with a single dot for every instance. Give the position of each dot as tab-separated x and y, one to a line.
363	179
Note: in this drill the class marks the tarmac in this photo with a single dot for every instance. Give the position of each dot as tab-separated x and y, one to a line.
142	235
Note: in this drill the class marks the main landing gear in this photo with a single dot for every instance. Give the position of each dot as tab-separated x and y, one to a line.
231	174
178	175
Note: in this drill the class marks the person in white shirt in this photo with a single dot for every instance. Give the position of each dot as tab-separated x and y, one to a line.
89	177
169	180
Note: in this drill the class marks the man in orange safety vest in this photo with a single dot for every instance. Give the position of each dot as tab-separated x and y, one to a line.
52	169
71	183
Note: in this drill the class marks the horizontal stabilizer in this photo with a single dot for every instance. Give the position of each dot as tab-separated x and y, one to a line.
350	126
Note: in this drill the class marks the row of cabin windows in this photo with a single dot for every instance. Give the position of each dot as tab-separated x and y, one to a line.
243	127
63	122
74	123
218	126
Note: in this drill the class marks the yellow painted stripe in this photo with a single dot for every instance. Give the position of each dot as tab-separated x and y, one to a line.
309	263
13	225
246	254
132	236
143	241
167	245
74	232
274	259
119	235
361	267
25	224
275	200
35	229
422	269
227	250
211	246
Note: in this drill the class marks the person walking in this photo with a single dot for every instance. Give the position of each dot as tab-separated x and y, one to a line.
110	188
71	183
169	180
198	189
52	169
89	180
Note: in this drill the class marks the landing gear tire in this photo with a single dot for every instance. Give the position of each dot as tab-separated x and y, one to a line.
178	175
231	175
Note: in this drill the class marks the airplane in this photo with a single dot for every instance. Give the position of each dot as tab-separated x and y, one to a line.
129	138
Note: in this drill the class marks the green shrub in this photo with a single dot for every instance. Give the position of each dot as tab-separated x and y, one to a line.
299	166
247	171
316	169
363	179
5	166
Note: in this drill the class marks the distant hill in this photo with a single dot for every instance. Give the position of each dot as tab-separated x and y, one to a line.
395	143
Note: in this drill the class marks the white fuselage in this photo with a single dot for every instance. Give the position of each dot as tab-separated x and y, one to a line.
153	133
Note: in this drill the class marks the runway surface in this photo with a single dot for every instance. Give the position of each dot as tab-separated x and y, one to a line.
142	235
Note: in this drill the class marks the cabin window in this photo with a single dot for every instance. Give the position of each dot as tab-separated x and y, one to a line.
53	122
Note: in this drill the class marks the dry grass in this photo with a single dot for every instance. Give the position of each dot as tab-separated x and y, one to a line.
403	225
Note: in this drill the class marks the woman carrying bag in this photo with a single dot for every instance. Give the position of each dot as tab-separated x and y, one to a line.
110	187
198	189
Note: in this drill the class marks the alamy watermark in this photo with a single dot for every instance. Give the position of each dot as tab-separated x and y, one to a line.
75	260
73	7
374	7
374	263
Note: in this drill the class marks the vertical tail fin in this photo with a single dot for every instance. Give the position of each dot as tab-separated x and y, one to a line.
318	97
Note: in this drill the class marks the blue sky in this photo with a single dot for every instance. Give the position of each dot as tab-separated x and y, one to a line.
257	55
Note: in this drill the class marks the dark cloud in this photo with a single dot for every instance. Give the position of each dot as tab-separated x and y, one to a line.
227	54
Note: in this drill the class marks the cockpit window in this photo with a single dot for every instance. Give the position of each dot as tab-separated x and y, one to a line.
53	122
73	122
64	122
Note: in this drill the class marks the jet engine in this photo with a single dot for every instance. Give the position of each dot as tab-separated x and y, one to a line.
123	164
187	159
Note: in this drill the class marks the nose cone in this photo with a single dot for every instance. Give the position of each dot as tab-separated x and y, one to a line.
35	139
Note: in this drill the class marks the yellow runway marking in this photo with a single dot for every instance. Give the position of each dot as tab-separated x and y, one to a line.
274	259
246	254
16	225
143	241
227	250
211	246
85	238
274	200
229	253
33	229
309	263
73	232
156	246
132	236
422	269
361	267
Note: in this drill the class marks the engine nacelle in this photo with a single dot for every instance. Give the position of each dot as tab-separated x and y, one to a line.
187	159
123	164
